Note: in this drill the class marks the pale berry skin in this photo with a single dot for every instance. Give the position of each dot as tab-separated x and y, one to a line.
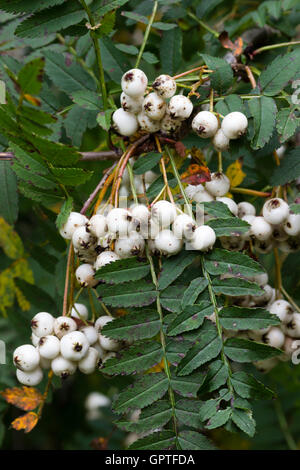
147	124
234	125
278	233
74	221
150	176
106	257
63	367
261	229
132	246
263	246
85	275
245	208
45	363
91	334
101	322
96	400
220	141
134	83
260	279
131	105
184	227
205	124
282	309
204	238
98	348
26	357
292	225
64	325
163	213
42	324
74	346
49	347
232	206
32	378
292	327
79	311
97	225
291	245
169	125
141	213
154	106
167	244
265	297
107	356
124	123
150	230
219	184
180	107
276	211
82	238
34	339
165	86
87	365
118	221
109	344
198	193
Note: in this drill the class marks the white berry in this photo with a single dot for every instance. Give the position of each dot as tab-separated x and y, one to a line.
79	311
232	206
261	229
63	367
87	364
118	221
234	125
147	124
130	104
204	238
292	225
282	309
64	325
74	221
26	357
82	238
276	211
163	213
205	124
245	208
154	106
49	347
133	245
42	324
91	334
106	257
180	107
102	321
97	225
124	123
167	244
74	346
220	141
165	86
108	344
219	184
184	226
134	82
31	378
85	275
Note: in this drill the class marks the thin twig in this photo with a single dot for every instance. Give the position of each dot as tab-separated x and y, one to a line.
92	196
146	35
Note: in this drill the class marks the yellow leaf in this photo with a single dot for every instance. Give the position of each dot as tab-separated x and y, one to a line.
32	100
25	398
235	173
22	301
26	422
10	241
18	269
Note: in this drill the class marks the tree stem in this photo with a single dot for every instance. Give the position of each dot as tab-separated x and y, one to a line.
146	35
204	25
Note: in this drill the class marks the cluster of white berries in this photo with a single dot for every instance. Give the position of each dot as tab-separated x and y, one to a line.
62	345
164	226
160	109
284	336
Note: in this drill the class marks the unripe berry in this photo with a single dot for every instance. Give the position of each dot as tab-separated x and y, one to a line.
147	124
106	257
261	229
63	367
154	106
79	311
204	238
101	322
134	82
91	334
234	125
26	357
163	213
124	123
167	244
49	347
42	324
74	346
74	221
205	124
131	105
276	211
232	206
32	378
219	184
180	107
118	221
292	225
220	141
184	227
245	208
82	238
97	225
87	364
165	86
85	275
282	309
64	325
132	246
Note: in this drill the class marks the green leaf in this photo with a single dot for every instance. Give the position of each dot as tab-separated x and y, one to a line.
187	411
72	176
277	75
163	440
188	385
216	377
107	24
143	392
207	347
171	298
196	287
9	193
191	318
222	78
146	162
36	296
191	440
235	287
289	169
44	198
53	152
77	122
222	261
64	213
114	62
30	77
152	417
263	110
51	20
243	350
100	9
217	209
219	419
230	104
124	270
32	178
133	326
131	294
104	119
27	6
240	318
229	227
137	358
67	74
171	51
286	124
248	386
244	420
295	208
174	266
87	99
